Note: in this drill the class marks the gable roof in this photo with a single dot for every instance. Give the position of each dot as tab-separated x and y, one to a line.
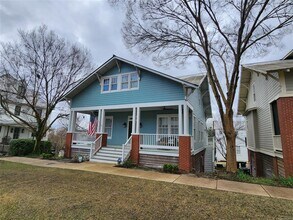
114	61
264	68
202	81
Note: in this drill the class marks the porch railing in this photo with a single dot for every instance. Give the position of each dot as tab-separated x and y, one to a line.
126	149
96	146
277	143
82	137
159	141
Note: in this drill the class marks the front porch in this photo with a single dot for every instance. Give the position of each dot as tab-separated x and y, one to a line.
148	135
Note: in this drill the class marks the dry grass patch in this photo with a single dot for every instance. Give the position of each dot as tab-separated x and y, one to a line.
28	192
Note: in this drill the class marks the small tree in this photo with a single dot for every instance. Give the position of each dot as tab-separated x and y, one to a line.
43	67
219	33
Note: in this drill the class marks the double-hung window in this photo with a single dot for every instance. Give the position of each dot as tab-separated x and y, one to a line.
110	84
167	124
121	82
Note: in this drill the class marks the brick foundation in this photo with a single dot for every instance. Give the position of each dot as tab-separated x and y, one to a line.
184	154
285	106
68	145
134	154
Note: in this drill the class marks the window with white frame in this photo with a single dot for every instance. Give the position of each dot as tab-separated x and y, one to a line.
167	124
110	84
121	82
238	151
109	126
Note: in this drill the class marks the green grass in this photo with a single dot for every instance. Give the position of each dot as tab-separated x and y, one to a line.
242	177
28	192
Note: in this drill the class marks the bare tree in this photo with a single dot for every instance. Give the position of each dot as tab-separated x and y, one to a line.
220	138
219	33
40	68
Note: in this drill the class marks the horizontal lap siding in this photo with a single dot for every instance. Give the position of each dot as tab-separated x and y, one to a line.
281	170
152	88
156	161
80	151
268	167
266	90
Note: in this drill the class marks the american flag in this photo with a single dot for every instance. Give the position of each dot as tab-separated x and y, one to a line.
92	125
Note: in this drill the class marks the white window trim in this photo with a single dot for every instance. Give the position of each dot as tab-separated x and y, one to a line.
169	121
109	117
119	82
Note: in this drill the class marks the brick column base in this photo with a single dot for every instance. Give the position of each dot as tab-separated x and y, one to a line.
285	112
104	138
185	154
134	154
68	145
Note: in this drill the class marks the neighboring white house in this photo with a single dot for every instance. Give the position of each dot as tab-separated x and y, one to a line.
10	128
241	149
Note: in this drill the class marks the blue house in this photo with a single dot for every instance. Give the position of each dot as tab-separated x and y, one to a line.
142	114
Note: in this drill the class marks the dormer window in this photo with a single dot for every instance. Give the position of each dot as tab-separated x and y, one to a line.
121	82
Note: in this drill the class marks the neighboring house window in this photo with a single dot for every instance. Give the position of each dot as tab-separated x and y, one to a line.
253	92
238	151
16	133
109	126
167	124
20	91
275	118
17	110
122	82
0	128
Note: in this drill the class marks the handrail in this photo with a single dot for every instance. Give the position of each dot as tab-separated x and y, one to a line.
97	144
128	142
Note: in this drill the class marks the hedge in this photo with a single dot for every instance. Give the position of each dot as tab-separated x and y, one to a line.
22	147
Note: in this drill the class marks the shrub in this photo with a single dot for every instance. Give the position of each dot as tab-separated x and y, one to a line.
47	156
286	181
170	168
127	164
22	147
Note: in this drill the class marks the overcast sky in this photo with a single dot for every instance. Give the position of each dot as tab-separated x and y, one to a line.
93	23
96	25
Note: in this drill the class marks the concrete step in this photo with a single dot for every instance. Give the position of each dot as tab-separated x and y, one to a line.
110	151
107	154
102	161
109	158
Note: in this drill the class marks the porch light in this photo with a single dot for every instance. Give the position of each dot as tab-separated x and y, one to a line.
124	125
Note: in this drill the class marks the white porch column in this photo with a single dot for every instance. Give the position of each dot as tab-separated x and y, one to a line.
186	119
180	119
102	121
133	120
72	122
69	122
137	120
99	121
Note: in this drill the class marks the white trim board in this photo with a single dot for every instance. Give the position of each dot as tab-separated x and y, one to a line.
127	106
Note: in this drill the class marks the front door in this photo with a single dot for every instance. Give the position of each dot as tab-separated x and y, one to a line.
129	127
16	133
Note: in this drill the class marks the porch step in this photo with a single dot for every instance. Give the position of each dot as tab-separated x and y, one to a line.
109	154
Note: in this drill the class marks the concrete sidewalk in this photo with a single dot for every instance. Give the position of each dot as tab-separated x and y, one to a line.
231	186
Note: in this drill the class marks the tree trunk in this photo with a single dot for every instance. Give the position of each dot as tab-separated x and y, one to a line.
37	143
229	130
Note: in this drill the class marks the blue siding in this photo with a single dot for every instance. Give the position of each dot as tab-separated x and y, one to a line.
152	88
148	121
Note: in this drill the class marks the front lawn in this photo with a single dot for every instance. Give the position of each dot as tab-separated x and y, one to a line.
28	192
